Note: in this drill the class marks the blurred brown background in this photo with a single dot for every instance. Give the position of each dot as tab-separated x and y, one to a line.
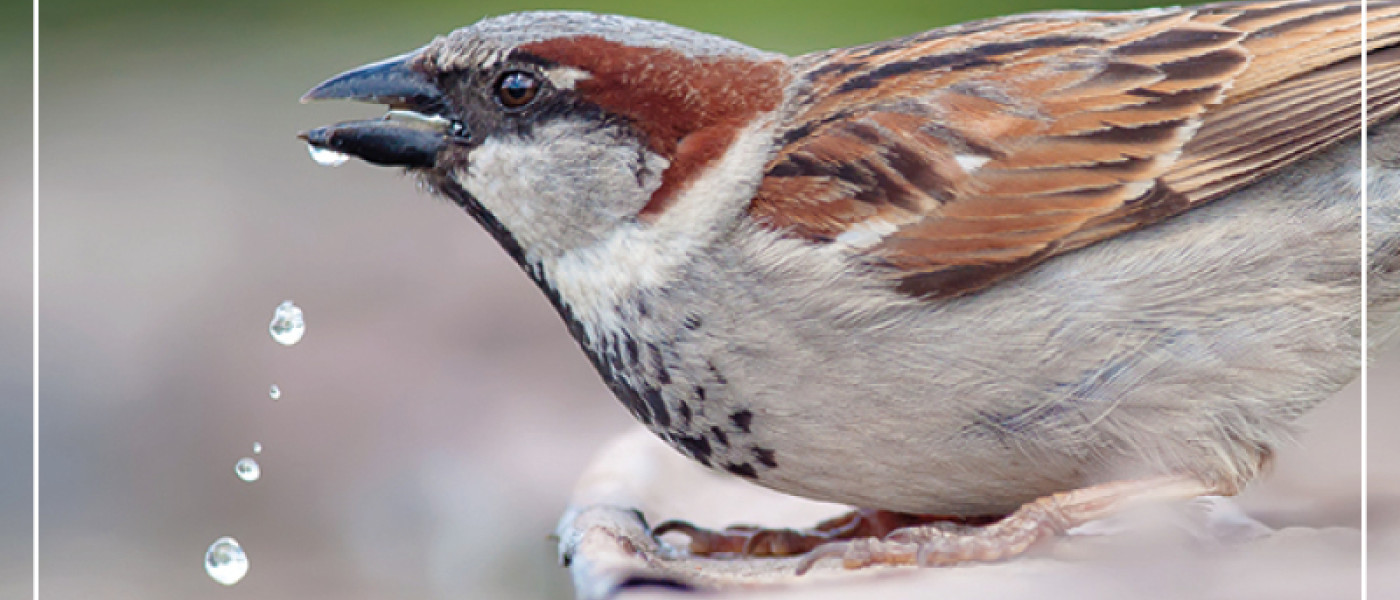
435	415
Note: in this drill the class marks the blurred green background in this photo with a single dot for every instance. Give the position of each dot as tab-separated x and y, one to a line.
782	26
435	416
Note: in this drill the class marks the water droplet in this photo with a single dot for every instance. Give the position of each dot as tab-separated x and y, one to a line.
327	157
287	324
225	561
247	469
274	392
257	447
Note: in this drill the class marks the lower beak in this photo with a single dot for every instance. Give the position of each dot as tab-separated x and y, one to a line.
379	141
411	135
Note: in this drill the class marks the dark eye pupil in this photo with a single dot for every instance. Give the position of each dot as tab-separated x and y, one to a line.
517	89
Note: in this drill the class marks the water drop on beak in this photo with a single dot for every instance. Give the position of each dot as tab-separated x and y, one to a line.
326	157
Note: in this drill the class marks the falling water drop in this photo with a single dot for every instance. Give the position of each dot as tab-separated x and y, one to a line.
257	447
327	157
287	324
274	392
247	469
225	561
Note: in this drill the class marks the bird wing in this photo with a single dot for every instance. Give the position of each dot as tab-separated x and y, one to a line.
955	158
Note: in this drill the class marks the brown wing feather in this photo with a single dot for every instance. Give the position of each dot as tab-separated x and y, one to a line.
961	156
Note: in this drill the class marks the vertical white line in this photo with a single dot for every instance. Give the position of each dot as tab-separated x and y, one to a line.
34	299
1365	273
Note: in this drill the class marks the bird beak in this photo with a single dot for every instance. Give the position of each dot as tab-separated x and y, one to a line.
410	135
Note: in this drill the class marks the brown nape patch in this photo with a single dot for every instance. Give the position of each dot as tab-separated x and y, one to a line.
689	108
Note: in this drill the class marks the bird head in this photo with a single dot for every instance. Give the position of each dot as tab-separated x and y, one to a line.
557	129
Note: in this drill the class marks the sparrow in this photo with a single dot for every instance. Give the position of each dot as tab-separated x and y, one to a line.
984	283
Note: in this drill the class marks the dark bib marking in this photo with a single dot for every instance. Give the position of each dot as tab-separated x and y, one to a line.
766	457
720	435
742	419
658	408
742	470
697	447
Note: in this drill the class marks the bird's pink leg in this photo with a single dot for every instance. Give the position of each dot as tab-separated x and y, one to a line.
749	540
945	543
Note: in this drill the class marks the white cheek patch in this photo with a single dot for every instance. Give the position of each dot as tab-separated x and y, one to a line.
558	190
492	177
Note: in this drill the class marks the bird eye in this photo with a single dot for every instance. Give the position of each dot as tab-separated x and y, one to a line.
516	89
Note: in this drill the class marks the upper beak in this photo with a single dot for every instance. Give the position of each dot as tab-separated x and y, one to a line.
411	135
388	81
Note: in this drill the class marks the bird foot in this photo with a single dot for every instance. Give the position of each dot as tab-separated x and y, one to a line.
750	540
948	543
864	538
